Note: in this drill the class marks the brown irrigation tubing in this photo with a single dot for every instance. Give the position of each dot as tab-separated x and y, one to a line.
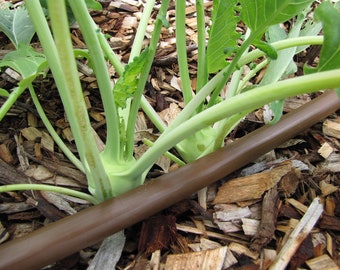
89	226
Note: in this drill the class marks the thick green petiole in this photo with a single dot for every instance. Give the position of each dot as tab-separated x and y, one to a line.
247	101
62	190
59	53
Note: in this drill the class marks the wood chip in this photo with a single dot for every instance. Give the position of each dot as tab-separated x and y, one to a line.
325	150
155	260
300	232
327	189
10	207
47	142
332	128
122	6
243	250
67	133
250	226
158	232
216	235
5	154
31	133
169	114
322	262
230	212
251	187
4	235
58	201
333	162
299	206
266	228
207	259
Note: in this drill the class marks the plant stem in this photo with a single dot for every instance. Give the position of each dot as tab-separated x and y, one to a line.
11	99
153	116
167	154
251	74
113	58
190	108
202	72
249	100
280	45
63	66
53	133
143	78
182	50
139	37
88	28
230	69
62	190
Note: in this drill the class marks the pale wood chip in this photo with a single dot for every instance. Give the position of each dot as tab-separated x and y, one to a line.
327	189
329	244
207	259
96	115
32	120
332	163
297	236
325	150
250	226
228	226
47	142
251	187
31	133
332	128
189	229
169	114
58	202
67	133
230	212
202	197
322	262
155	260
243	250
299	206
39	172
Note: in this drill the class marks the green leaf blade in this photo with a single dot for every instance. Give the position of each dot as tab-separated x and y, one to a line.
126	86
258	15
330	52
222	35
16	25
25	61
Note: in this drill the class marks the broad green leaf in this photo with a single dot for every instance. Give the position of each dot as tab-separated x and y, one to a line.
29	64
93	4
4	92
330	52
284	65
258	15
25	61
127	84
16	25
222	34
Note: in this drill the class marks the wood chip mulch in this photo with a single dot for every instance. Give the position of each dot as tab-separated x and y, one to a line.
284	209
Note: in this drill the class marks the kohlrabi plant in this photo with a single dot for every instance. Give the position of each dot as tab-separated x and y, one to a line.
209	113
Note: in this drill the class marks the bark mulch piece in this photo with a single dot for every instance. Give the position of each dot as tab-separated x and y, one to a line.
283	210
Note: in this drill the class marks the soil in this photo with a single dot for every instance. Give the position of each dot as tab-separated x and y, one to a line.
296	173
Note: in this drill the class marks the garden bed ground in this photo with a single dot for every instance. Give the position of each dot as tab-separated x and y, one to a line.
239	226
